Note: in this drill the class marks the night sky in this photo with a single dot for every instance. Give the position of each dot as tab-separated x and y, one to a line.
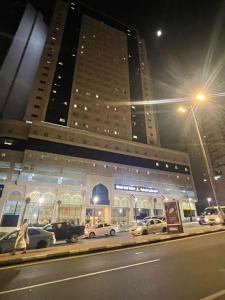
175	58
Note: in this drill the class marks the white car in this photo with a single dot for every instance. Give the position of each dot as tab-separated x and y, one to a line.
100	229
150	226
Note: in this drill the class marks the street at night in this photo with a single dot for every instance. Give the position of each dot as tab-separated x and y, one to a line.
193	268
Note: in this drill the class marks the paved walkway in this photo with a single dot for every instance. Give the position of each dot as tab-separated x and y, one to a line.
99	244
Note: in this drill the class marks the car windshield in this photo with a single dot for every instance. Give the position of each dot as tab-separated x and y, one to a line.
141	223
211	211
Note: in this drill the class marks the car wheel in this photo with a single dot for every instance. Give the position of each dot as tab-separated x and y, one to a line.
145	231
91	235
42	244
74	238
112	232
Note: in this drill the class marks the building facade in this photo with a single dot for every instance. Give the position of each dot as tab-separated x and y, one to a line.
82	138
91	64
66	169
20	64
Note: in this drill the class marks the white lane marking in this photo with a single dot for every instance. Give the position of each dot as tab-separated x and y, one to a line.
77	277
140	252
107	252
214	296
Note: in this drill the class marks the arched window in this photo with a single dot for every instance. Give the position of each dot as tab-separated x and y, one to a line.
101	192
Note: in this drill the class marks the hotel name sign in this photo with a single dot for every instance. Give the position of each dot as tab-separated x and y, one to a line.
133	188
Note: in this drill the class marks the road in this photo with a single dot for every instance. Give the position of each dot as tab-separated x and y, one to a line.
186	269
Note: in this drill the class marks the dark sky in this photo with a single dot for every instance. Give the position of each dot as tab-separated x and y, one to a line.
177	56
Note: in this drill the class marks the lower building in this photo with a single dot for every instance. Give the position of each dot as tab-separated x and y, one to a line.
50	172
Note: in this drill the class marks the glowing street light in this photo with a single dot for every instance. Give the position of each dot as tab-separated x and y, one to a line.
200	97
209	200
159	33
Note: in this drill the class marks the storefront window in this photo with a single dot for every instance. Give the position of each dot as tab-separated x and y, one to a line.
12	207
120	216
141	213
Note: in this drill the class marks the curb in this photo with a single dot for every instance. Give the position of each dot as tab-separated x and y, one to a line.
40	257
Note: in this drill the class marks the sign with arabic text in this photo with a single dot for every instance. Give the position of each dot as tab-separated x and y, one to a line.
134	188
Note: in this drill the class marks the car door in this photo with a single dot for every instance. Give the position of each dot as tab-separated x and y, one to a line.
9	242
158	225
151	226
34	237
99	231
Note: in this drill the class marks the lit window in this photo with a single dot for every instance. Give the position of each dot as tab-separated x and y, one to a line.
115	109
176	167
72	7
48	61
57	28
94	165
60	63
65	103
59	77
73	54
157	164
77	90
178	176
133	107
75	105
53	38
54	91
86	126
82	46
186	169
8	142
115	132
3	154
62	120
135	137
97	96
76	123
72	3
148	172
85	108
81	52
107	106
167	166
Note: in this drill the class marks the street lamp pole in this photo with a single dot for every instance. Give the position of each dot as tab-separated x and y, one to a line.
95	200
209	171
135	209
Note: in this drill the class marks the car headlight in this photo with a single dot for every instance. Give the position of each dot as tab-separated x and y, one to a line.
217	220
139	229
86	232
198	219
206	220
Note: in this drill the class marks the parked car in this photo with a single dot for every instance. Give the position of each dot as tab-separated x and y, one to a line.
65	231
212	215
100	229
38	237
155	217
149	226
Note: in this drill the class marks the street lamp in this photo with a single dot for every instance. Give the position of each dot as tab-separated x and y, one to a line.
39	208
95	200
182	109
209	200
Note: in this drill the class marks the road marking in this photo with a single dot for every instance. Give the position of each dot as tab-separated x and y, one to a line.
77	277
214	296
140	252
105	252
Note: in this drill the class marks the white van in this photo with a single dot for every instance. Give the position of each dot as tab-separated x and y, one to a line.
214	215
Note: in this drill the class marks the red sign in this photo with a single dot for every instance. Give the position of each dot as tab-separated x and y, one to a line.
173	218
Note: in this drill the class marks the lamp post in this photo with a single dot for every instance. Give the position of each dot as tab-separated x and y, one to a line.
59	202
95	200
39	208
189	202
135	208
183	109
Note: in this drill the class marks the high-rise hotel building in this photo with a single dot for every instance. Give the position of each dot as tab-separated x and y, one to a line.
81	135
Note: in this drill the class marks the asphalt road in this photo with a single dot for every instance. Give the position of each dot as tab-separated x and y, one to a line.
186	269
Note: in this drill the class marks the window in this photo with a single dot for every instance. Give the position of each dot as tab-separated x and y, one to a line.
32	231
42	81
62	120
36	106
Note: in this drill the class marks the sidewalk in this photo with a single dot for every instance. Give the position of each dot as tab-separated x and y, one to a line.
100	245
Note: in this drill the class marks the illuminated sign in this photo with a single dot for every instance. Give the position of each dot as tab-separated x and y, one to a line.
133	188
